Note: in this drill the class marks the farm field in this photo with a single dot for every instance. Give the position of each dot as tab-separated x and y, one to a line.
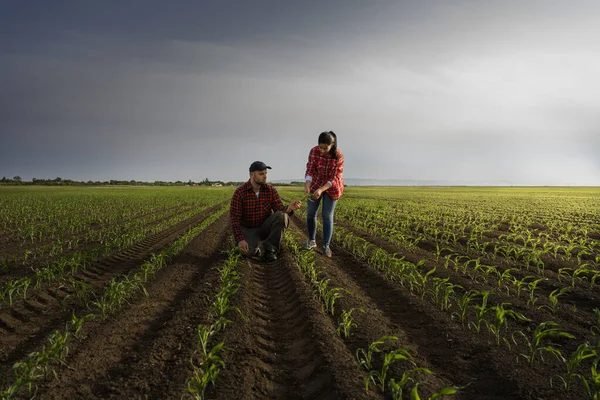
468	293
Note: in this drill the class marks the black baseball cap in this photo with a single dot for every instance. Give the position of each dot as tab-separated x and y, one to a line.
258	166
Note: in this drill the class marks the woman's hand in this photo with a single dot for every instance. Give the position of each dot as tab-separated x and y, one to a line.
317	193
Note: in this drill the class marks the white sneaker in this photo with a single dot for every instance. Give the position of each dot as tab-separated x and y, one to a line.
327	251
310	244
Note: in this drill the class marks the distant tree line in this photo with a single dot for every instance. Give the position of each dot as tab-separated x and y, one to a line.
58	181
16	180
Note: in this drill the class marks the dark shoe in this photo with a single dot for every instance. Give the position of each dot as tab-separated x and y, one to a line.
270	257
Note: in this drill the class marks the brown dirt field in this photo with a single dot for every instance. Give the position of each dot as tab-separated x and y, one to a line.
281	345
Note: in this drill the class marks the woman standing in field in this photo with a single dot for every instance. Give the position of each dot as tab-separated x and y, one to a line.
323	182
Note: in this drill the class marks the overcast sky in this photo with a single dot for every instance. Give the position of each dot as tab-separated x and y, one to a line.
177	90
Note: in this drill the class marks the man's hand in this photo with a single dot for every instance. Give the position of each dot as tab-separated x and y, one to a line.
294	206
243	245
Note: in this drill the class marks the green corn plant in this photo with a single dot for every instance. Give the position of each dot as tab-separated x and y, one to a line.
202	377
593	384
519	284
321	286
544	330
365	357
583	352
330	297
596	328
203	335
397	386
580	271
442	292
595	276
505	276
532	286
501	320
82	290
376	376
75	324
346	323
447	391
553	299
565	273
480	311
421	280
463	303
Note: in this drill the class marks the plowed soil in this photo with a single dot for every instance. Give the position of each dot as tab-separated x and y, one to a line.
281	344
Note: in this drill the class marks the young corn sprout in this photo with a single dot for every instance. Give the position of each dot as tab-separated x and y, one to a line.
463	303
397	386
378	377
593	384
532	287
365	357
447	391
583	352
501	320
346	323
553	299
480	311
544	330
505	276
443	292
75	324
203	335
330	297
596	328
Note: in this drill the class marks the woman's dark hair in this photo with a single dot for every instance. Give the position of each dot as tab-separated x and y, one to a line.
329	138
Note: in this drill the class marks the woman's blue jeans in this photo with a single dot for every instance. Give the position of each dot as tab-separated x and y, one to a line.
312	207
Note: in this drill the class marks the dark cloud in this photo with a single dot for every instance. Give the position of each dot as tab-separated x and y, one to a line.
433	90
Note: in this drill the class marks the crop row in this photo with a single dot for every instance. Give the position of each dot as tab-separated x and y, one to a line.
39	365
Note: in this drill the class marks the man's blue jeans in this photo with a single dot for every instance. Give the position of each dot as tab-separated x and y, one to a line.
312	207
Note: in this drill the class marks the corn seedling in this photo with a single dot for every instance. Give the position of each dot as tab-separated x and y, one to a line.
346	323
519	284
583	352
365	357
330	297
532	287
75	324
378	377
480	311
553	299
397	386
442	292
505	276
447	391
596	328
593	384
463	303
203	335
544	330
501	320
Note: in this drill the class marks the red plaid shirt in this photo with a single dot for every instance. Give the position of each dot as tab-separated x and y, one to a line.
251	211
323	168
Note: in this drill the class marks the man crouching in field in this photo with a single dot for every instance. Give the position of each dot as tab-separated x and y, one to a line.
258	216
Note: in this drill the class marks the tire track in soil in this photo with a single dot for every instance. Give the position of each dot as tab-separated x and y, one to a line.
26	325
372	324
143	352
285	348
466	358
